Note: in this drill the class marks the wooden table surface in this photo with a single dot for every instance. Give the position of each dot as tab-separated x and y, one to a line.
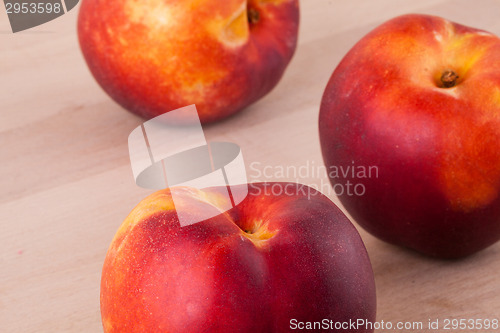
66	182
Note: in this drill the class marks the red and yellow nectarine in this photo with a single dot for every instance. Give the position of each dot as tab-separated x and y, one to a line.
153	56
269	261
419	98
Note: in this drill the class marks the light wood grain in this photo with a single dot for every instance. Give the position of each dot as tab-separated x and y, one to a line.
66	183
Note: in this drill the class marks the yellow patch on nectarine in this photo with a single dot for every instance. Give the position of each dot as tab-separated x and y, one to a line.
470	180
233	31
466	191
156	202
460	55
259	233
162	201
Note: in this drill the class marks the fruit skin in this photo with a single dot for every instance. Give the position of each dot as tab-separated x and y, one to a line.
437	149
304	260
155	56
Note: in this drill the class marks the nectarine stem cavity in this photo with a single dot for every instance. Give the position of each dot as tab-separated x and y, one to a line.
449	78
253	15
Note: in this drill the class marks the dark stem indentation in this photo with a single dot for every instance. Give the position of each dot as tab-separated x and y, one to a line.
449	78
253	15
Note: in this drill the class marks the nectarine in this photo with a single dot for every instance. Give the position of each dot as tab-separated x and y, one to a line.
153	56
419	98
273	261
